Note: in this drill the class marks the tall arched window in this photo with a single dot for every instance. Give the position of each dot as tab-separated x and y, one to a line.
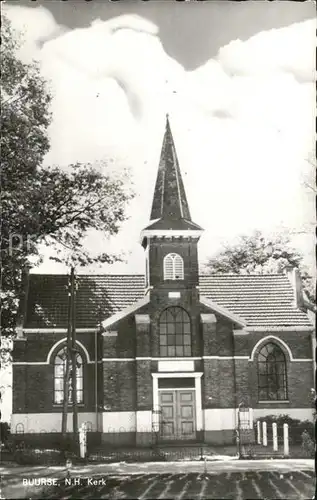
175	332
59	376
272	373
173	267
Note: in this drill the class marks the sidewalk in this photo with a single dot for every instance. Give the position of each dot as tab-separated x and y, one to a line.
160	467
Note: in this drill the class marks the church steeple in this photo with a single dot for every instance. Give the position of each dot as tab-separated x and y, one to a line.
170	240
170	208
169	200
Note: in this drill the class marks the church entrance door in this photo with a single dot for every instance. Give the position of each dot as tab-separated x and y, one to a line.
178	422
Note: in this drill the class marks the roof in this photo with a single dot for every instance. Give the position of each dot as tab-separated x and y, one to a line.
177	225
98	297
261	300
170	204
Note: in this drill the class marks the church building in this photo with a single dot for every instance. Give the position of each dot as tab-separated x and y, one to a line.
171	355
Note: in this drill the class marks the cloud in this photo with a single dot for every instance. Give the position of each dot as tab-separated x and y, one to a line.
36	25
243	123
131	22
289	49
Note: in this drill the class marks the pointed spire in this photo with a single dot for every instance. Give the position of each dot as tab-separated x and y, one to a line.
169	202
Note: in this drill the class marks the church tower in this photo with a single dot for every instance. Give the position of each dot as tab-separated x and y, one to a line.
170	240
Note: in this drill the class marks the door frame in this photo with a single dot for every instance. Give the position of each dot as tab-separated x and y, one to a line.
198	406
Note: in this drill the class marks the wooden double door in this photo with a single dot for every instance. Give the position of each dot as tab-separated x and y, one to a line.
178	418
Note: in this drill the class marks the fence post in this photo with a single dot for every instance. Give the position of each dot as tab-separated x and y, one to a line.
264	431
83	440
258	425
286	443
275	443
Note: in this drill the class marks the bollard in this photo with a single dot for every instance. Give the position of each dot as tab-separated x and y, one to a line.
68	467
264	432
285	438
205	466
275	443
258	425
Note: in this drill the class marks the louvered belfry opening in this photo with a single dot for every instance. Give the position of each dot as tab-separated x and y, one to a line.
173	267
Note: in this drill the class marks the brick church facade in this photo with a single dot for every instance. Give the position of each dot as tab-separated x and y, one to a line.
171	353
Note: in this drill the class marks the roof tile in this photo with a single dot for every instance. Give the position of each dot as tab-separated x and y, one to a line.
262	300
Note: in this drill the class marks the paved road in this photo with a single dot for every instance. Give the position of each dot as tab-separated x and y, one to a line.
238	480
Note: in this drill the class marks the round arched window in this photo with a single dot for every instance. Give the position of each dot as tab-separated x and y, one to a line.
175	332
272	373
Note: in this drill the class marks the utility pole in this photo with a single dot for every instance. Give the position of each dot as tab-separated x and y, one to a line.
67	367
74	357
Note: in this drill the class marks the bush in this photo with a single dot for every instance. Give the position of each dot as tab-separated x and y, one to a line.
308	445
38	457
4	432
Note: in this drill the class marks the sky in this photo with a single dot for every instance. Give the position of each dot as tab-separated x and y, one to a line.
237	79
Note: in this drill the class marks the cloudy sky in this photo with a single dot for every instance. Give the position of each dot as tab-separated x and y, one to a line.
237	80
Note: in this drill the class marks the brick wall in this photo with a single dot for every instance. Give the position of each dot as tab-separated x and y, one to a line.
33	384
119	387
186	248
37	346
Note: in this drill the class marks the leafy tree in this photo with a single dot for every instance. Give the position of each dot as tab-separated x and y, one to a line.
44	205
257	254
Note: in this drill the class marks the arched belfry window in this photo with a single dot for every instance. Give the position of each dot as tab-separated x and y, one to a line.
173	267
175	332
272	373
59	376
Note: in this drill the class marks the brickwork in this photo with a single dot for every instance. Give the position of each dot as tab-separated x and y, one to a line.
225	338
34	383
210	340
122	345
144	385
227	384
299	382
143	335
298	342
186	248
119	386
34	389
37	346
243	382
210	384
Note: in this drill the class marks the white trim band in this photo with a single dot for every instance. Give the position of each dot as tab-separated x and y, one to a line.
48	357
276	329
177	375
171	233
58	330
